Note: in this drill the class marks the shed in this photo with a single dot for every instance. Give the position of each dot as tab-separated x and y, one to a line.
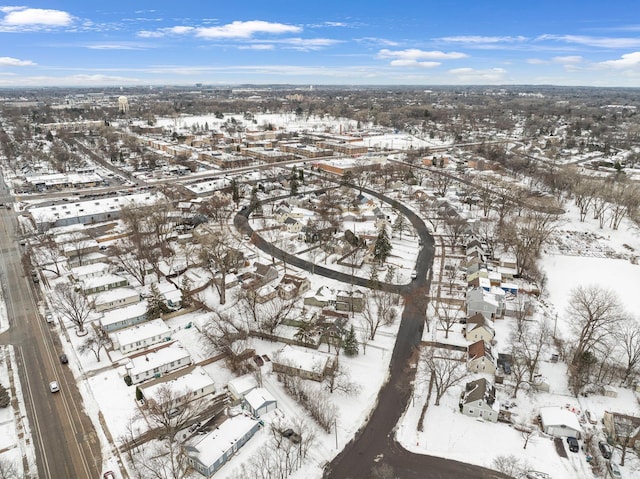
239	387
259	401
610	391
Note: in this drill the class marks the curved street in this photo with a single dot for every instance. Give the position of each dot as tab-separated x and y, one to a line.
375	443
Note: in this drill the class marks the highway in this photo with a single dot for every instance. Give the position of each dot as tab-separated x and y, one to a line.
65	441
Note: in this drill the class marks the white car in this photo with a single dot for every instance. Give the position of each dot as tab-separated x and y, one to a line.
414	274
49	318
53	386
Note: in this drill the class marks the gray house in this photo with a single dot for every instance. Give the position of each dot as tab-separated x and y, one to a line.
210	452
479	400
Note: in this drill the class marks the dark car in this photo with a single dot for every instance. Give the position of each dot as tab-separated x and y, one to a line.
573	444
605	449
293	436
258	360
64	359
266	358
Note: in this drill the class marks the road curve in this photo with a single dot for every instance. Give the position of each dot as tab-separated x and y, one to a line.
375	442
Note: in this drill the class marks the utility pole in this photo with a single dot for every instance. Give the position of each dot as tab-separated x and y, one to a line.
335	428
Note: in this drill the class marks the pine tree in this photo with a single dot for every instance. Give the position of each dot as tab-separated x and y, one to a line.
155	303
235	193
4	396
350	343
293	182
382	248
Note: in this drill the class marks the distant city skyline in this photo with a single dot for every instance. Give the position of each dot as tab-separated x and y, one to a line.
351	42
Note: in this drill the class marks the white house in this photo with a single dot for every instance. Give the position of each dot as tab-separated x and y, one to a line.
105	282
115	298
558	421
239	387
140	336
183	388
81	273
156	364
208	453
124	317
259	401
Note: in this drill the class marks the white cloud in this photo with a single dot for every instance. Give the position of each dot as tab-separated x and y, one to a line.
477	39
14	62
17	16
628	60
413	54
247	29
257	46
378	41
414	63
600	42
472	75
116	46
537	61
177	30
569	59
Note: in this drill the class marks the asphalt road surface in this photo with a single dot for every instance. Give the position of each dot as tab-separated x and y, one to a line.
65	441
375	445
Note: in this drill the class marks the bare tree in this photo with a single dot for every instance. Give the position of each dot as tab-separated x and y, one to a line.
73	305
340	380
379	309
510	465
455	229
8	469
628	336
441	183
224	334
448	315
219	254
535	338
447	368
95	342
131	257
594	313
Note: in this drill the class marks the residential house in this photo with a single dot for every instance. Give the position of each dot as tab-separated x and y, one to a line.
322	298
479	400
265	273
622	429
561	422
239	387
208	453
265	293
105	282
140	336
115	298
480	358
88	271
293	225
479	328
480	301
292	286
178	388
351	301
259	401
157	363
306	364
124	317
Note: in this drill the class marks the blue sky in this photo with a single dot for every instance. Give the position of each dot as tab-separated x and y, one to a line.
456	42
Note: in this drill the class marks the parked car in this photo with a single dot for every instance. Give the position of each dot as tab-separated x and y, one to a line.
537	475
109	475
293	436
48	318
573	444
195	427
605	449
258	360
266	358
54	387
590	417
614	470
64	359
414	274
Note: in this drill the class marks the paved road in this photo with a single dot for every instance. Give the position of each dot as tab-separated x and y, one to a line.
65	441
375	443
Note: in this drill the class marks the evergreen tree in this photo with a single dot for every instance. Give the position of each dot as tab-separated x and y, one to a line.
293	182
4	396
350	343
235	192
254	203
399	225
155	303
382	248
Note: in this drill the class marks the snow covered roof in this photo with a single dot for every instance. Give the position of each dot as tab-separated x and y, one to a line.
182	385
214	445
258	397
122	314
243	384
303	360
156	359
115	295
140	332
103	280
93	268
557	416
